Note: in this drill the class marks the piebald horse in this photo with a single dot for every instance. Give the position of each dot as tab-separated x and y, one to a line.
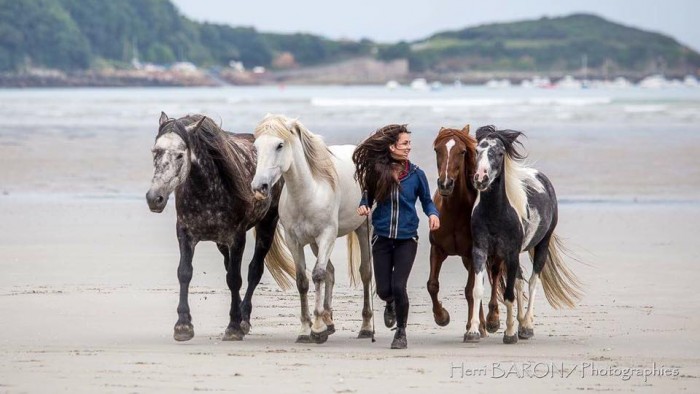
516	211
318	204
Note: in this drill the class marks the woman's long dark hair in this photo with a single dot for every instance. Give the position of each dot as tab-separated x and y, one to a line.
375	169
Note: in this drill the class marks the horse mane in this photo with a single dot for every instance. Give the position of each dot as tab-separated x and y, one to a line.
467	140
519	177
225	152
318	157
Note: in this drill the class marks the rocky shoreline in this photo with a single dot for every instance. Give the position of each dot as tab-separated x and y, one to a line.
351	72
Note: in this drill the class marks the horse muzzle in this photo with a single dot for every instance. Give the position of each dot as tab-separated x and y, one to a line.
156	201
261	192
446	187
481	183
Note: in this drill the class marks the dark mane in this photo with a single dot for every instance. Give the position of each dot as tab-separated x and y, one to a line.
466	139
219	146
509	138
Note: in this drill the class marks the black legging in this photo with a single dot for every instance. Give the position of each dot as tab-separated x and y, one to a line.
393	260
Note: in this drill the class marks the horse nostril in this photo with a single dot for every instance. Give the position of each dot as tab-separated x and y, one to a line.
264	187
159	199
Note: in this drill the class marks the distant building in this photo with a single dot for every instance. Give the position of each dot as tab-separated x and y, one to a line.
184	67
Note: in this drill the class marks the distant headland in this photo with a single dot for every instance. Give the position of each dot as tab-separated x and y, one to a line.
149	43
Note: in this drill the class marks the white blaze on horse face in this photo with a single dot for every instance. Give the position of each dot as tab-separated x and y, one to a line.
483	164
449	145
172	166
272	161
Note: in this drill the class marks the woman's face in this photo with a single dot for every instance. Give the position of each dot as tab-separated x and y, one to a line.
402	147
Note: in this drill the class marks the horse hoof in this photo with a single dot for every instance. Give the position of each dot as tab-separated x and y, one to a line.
472	337
319	337
493	326
183	332
330	329
525	333
364	334
443	318
510	339
245	327
303	339
232	334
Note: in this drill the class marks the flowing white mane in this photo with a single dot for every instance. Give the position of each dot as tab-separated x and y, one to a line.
318	157
518	178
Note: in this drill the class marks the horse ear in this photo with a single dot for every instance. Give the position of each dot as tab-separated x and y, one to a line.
466	130
441	128
292	125
163	118
199	124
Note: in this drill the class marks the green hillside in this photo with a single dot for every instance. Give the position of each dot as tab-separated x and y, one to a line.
552	44
88	34
81	34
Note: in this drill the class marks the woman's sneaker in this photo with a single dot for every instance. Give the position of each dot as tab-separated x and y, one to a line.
389	315
399	341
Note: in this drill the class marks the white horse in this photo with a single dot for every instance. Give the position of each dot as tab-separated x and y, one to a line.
318	204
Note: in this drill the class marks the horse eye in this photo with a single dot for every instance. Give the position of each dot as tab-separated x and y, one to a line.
464	152
279	147
180	156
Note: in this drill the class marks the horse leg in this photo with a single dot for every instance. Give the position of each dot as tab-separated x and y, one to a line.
184	330
225	252
538	260
234	281
264	234
512	268
521	306
437	257
493	321
366	330
328	300
325	242
479	256
297	251
468	293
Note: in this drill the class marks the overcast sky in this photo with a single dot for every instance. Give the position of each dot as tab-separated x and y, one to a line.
394	20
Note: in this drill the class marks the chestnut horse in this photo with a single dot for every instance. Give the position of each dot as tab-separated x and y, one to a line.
456	164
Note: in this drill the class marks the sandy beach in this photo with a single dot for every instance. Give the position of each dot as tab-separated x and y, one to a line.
88	286
89	295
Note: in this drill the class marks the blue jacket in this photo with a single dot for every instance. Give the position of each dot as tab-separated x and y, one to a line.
396	216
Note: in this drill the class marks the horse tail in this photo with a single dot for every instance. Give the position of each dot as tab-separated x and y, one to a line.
279	260
354	257
561	286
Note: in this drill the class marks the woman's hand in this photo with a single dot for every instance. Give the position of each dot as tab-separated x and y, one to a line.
363	210
433	222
